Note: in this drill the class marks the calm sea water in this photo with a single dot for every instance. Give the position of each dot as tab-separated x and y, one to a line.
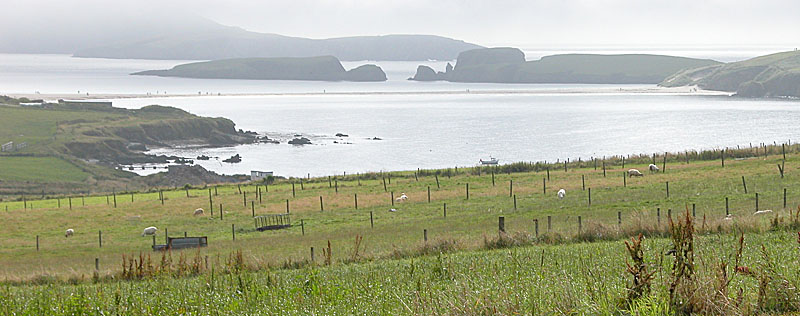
421	125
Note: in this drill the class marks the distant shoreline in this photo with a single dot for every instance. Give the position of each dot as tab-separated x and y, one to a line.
654	90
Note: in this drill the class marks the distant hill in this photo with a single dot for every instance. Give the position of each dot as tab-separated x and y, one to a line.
508	65
214	41
168	35
775	75
324	68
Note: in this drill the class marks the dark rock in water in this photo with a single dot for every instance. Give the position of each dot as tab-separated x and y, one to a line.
184	161
342	135
203	157
448	68
425	73
300	141
377	138
335	142
233	159
366	73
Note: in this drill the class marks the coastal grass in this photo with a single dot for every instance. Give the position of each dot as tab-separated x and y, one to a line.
39	169
704	184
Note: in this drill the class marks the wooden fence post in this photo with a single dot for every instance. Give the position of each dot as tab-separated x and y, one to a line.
667	189
445	210
287	206
221	212
37	242
604	168
544	186
664	164
583	182
293	192
96	264
312	254
233	231
744	185
467	191
371	222
722	155
580	225
425	235
429	194
548	173
590	196
253	208
784	197
115	199
492	176
624	180
694	210
321	206
336	185
727	210
619	218
391	197
510	188
549	223
501	224
658	215
303	227
536	227
515	201
437	181
100	238
756	201
355	200
244	198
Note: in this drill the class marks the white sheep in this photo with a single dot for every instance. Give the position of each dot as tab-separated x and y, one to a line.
634	173
149	231
653	168
762	212
403	197
69	232
561	194
198	212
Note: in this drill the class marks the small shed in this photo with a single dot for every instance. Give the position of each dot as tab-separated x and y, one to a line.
259	175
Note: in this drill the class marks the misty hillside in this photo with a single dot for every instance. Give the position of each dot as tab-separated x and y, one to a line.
774	75
194	38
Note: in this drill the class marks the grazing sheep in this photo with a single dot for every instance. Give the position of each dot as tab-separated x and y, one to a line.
762	212
403	197
198	212
634	173
392	210
69	232
653	168
149	231
561	194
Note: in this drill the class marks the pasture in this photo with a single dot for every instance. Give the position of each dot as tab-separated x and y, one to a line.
359	205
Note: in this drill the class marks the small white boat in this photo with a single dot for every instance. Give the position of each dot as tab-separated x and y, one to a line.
491	161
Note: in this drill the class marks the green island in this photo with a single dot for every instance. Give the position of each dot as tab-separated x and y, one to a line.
719	237
323	68
775	75
508	65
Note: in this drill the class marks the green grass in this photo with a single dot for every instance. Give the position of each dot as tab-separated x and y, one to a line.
579	279
573	277
39	169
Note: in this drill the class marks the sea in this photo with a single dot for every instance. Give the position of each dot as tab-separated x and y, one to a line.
405	125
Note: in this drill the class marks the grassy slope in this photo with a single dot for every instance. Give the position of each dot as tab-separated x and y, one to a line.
766	70
40	169
583	279
703	183
54	133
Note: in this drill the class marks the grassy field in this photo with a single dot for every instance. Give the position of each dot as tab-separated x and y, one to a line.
39	168
470	280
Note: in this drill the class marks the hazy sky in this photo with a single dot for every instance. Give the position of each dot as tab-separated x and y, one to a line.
531	23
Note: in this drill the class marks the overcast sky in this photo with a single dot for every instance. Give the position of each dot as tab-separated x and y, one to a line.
522	23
